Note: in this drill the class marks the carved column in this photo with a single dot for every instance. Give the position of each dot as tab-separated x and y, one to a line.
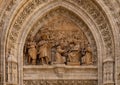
12	70
108	70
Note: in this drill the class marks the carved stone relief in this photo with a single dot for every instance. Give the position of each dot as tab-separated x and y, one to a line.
14	33
59	41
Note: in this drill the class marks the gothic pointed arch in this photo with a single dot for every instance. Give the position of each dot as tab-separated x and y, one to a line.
95	22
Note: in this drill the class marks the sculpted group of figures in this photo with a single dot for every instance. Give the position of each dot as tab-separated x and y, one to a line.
71	54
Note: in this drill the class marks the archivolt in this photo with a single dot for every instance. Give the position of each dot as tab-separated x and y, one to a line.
86	23
87	6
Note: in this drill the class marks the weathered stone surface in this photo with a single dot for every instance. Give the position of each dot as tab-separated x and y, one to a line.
56	42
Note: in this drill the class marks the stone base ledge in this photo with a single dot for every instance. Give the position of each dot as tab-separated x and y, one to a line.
11	83
58	65
60	72
60	82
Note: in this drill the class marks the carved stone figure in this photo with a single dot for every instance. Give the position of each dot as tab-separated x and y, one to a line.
12	68
74	54
44	50
87	58
58	56
32	52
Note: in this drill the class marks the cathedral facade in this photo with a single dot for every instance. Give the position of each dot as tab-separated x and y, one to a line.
59	42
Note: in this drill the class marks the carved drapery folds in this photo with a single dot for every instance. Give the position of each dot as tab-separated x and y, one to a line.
58	42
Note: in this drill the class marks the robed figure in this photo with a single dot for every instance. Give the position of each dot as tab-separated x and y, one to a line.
44	50
32	52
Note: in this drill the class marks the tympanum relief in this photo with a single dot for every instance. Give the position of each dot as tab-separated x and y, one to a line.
59	41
